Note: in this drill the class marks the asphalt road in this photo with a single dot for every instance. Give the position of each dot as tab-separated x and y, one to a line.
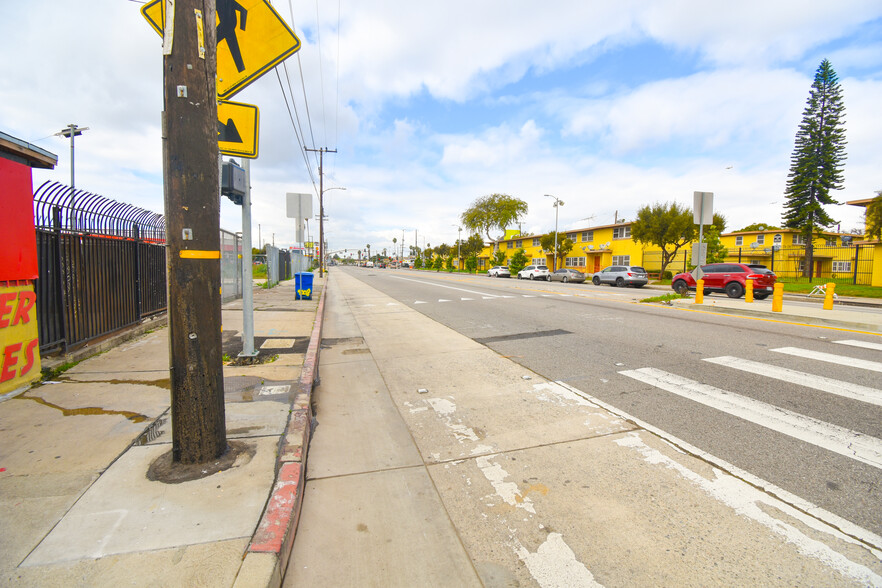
673	369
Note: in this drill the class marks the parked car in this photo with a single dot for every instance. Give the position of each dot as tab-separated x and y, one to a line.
621	276
534	272
729	278
566	275
499	271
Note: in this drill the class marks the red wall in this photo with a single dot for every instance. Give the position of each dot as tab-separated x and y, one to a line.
18	244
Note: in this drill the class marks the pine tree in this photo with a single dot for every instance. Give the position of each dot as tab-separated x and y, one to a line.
816	165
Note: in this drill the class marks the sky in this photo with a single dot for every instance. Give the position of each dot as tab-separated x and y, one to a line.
608	106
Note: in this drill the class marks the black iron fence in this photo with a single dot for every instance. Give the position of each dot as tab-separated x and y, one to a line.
851	264
101	265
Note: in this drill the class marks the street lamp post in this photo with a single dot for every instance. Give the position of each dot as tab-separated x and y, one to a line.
458	246
557	204
72	131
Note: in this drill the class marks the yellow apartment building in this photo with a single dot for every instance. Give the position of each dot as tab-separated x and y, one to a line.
835	255
594	248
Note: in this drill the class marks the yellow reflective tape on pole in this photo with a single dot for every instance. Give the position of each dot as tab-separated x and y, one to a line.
196	254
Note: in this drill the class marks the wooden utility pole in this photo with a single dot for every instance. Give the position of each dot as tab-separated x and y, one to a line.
192	215
321	153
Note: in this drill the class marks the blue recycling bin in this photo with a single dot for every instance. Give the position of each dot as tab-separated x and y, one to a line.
303	285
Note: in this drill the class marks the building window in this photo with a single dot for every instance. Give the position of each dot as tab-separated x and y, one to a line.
575	262
587	236
777	239
481	263
621	260
536	242
622	232
509	245
538	261
573	237
760	239
799	240
831	241
739	241
841	267
520	244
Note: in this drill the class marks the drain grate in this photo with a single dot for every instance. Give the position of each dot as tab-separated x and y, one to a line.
154	431
517	336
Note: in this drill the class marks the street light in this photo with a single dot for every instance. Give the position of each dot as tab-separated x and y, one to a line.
458	246
72	131
557	204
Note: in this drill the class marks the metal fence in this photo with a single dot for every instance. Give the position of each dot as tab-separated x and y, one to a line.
101	265
852	264
278	265
231	265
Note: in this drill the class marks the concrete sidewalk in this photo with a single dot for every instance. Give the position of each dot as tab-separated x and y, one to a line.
76	503
794	310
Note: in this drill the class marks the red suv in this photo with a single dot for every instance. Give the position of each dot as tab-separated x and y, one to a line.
729	278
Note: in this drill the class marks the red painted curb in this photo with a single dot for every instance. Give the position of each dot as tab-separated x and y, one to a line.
278	524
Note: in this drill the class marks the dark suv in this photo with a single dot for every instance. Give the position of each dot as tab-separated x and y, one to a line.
729	278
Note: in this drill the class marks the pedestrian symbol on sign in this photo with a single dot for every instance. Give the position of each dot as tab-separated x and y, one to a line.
227	23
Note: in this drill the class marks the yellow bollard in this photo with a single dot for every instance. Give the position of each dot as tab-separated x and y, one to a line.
778	298
699	292
748	290
828	298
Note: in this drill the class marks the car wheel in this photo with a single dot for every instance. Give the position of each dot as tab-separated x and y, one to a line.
620	282
681	287
595	280
707	291
564	279
533	277
760	296
734	290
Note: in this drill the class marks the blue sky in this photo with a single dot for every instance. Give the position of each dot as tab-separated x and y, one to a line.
606	105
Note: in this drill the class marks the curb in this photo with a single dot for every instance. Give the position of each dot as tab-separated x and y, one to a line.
269	551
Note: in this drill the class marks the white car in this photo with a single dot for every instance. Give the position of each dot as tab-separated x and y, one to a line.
534	272
499	271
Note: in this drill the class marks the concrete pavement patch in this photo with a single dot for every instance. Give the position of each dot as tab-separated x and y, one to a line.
123	512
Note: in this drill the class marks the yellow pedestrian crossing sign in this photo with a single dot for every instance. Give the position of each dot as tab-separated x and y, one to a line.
251	39
237	128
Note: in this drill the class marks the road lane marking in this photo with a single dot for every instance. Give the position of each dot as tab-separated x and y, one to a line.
863	364
838	387
801	509
449	287
864	344
831	437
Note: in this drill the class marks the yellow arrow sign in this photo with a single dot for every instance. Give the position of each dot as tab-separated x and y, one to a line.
251	39
238	126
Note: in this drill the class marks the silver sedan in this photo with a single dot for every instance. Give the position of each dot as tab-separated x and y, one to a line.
567	275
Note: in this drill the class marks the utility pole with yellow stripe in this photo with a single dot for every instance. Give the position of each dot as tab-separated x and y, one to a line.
192	214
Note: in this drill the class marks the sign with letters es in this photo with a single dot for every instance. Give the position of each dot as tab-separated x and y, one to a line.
19	340
252	38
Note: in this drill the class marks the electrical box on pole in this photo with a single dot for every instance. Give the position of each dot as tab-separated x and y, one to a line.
233	182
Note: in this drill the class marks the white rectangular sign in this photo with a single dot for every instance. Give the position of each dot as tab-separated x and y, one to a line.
703	208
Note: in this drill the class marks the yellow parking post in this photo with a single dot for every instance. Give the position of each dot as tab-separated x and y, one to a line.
699	292
748	290
778	298
828	297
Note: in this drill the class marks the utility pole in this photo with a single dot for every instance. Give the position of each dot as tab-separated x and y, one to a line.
321	153
192	213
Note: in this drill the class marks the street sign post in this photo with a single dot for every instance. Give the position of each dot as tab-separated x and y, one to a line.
251	39
238	126
702	214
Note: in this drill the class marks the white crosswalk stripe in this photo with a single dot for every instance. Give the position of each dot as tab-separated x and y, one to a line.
863	364
810	430
844	389
864	344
